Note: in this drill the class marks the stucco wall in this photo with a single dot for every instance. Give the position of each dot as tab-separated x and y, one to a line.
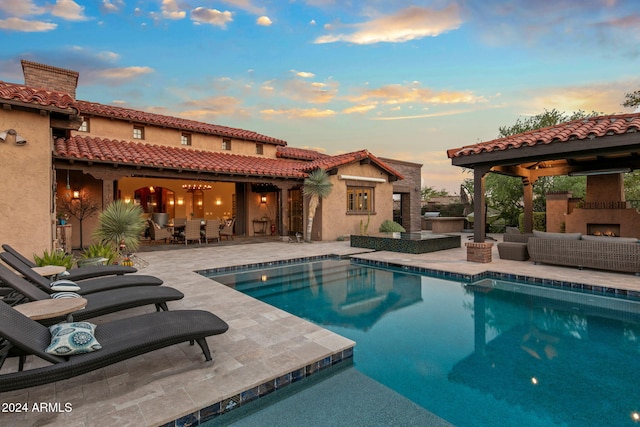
121	130
25	177
335	221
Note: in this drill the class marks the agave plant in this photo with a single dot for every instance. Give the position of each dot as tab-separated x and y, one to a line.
54	258
101	250
120	222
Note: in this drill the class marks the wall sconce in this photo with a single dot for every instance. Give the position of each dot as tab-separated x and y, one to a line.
218	202
151	189
127	200
10	135
171	202
180	201
199	202
263	199
76	194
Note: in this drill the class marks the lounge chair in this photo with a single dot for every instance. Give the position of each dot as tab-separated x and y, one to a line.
80	273
98	303
120	340
87	286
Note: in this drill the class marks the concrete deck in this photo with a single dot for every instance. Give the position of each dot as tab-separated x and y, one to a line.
262	342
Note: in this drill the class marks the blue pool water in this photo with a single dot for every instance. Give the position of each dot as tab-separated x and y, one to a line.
483	354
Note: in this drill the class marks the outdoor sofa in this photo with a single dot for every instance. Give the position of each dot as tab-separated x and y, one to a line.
577	250
119	340
80	273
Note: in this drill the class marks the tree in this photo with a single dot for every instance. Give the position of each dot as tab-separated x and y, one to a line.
80	207
429	192
316	187
632	99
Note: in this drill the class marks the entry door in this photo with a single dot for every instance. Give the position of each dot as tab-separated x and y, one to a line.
296	214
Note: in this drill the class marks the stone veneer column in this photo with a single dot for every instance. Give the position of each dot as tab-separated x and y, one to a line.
479	252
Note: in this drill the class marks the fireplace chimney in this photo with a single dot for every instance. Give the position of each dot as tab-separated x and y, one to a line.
48	77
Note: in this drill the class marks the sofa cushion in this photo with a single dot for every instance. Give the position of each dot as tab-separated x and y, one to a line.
610	239
547	235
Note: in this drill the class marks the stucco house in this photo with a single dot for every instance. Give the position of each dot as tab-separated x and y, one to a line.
56	148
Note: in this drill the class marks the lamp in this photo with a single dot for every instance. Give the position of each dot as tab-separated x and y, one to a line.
11	134
180	201
600	172
263	199
76	194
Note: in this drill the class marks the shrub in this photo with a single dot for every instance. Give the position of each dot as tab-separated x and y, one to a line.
120	221
54	258
389	226
539	221
101	250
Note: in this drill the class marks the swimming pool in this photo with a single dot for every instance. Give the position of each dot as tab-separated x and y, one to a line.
488	353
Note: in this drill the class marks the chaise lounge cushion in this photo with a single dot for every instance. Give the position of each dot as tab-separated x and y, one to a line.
610	239
548	235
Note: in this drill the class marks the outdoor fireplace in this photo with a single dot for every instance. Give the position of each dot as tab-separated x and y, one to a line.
612	230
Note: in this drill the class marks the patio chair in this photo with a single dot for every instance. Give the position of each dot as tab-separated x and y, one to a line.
192	231
158	233
227	230
212	230
98	303
81	272
120	340
87	286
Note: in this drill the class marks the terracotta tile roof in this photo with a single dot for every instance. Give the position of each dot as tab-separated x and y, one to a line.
123	152
330	162
92	108
37	97
298	153
582	129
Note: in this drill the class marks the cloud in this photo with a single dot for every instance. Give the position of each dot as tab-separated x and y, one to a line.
359	109
303	74
408	24
294	113
26	26
171	10
202	15
20	8
246	5
123	74
413	93
211	107
264	21
422	116
112	6
69	10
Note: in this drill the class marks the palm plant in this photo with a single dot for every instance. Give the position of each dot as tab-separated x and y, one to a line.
316	186
121	222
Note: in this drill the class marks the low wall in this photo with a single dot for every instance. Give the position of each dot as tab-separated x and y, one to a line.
447	224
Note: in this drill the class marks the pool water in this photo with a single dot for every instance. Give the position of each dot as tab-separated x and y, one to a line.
488	353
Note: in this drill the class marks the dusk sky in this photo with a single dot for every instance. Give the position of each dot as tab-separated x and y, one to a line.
403	79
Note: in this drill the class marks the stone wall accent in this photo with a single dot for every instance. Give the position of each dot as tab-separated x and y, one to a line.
410	190
479	252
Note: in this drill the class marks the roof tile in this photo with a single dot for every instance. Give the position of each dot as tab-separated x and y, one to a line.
36	96
594	127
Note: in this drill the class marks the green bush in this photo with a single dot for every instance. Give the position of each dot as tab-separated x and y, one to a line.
539	221
54	258
389	226
102	250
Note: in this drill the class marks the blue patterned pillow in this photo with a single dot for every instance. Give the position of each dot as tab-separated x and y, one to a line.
72	338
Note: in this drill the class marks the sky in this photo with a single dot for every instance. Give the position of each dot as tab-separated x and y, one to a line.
403	79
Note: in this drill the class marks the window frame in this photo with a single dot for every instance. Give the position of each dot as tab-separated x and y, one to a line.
226	144
367	192
85	126
259	148
140	130
185	139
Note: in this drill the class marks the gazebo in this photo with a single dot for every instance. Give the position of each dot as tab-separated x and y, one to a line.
602	148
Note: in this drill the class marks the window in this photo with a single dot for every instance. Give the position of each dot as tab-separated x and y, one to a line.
185	139
226	144
84	127
359	199
259	149
138	132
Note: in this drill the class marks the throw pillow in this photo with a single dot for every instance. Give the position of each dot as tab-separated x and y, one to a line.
57	295
73	338
64	286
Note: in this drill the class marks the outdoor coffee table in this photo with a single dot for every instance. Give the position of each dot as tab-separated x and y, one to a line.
51	308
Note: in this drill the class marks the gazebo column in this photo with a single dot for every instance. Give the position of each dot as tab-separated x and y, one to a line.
528	205
479	250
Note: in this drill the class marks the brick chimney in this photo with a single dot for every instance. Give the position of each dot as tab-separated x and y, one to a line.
48	77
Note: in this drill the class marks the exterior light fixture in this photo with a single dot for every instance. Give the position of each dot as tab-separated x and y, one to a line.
263	199
218	202
10	135
76	194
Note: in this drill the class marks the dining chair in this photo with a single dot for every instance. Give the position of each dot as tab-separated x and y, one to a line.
192	231
227	230
212	230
